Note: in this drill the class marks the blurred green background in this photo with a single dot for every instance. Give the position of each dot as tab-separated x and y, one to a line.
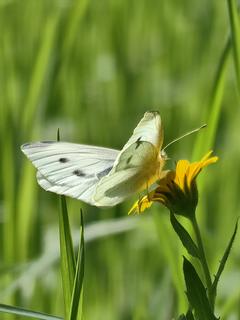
92	68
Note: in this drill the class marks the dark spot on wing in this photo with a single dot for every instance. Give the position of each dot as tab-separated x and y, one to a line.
129	159
138	142
79	173
103	173
25	145
46	141
63	160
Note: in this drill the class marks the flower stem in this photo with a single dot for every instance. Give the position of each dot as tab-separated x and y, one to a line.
203	259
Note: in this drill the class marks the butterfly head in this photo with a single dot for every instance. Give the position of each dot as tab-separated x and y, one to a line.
163	155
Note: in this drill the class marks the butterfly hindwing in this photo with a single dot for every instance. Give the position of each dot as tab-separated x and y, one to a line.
135	171
83	191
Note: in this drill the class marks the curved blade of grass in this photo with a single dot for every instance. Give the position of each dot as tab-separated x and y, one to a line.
77	296
224	260
235	32
27	313
68	263
205	140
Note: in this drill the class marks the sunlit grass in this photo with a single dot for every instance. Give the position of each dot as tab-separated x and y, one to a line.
93	68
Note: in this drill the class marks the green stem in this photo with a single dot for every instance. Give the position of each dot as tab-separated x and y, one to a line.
203	259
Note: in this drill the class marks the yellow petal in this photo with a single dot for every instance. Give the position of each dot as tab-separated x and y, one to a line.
181	170
140	205
196	167
193	171
207	155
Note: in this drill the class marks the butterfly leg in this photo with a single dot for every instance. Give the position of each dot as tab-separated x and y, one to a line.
148	196
139	203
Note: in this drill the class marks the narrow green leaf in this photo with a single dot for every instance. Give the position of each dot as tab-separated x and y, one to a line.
196	293
205	140
27	313
224	260
235	32
76	306
76	14
184	236
68	263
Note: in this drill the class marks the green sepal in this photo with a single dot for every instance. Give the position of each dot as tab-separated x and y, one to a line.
184	236
224	260
196	293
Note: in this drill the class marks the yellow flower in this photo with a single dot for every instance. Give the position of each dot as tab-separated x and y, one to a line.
177	190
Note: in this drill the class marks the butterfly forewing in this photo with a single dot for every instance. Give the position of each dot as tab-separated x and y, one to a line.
68	168
149	129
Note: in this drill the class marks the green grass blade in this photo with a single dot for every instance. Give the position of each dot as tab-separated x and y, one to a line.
76	307
26	210
27	313
68	263
72	28
40	73
224	260
235	32
8	190
205	140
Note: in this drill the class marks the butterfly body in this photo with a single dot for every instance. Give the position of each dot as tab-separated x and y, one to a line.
101	176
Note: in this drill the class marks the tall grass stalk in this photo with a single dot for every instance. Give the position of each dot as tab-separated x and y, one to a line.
206	138
235	35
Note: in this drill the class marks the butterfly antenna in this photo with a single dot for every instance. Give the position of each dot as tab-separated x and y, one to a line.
183	136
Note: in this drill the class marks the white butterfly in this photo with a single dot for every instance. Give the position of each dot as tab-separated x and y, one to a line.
101	176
